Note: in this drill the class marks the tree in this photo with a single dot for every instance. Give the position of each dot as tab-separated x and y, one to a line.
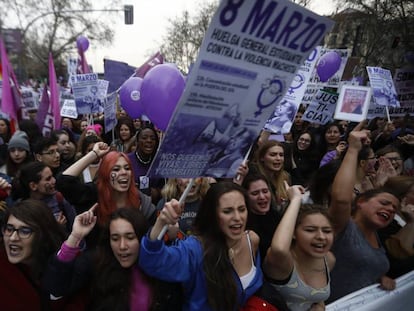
185	34
380	31
53	26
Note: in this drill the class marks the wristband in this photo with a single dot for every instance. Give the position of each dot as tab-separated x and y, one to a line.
97	155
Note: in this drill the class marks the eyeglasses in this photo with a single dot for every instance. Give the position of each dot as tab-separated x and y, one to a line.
394	159
22	232
372	158
51	152
303	140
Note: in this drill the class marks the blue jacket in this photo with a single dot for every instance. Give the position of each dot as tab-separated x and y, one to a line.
184	263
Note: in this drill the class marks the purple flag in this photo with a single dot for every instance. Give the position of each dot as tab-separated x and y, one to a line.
116	73
54	93
42	112
10	102
154	60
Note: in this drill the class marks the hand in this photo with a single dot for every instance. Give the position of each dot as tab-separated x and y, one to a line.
60	218
241	173
101	149
407	210
4	184
357	139
170	214
340	148
82	225
389	127
295	191
387	283
407	139
320	306
385	170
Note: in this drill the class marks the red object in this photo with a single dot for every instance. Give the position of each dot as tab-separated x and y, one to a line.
256	303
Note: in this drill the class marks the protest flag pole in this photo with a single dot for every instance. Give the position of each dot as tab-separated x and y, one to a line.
181	201
388	113
54	93
238	176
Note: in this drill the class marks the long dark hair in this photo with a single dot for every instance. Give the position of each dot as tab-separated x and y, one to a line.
221	284
111	285
47	234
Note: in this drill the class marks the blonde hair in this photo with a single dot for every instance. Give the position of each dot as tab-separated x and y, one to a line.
276	180
171	190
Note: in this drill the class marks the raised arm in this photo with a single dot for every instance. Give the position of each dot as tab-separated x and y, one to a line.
82	226
98	151
169	215
278	263
343	185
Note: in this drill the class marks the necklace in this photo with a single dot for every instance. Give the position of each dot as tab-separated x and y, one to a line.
141	160
232	252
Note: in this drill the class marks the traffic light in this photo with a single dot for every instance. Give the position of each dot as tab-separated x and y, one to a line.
129	14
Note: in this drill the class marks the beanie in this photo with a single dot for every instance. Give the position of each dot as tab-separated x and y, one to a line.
19	140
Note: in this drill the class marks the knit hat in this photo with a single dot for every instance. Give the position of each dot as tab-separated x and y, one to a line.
19	140
97	128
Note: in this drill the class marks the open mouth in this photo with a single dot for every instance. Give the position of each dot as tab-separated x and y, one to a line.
384	215
14	250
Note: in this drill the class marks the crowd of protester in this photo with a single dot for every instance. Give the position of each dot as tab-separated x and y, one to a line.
324	212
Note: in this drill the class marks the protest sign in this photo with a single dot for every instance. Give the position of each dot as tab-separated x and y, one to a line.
353	103
374	298
315	84
69	109
30	98
383	89
110	112
281	121
404	86
322	107
85	91
247	60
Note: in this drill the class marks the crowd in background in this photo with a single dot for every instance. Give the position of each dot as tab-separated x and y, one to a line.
312	216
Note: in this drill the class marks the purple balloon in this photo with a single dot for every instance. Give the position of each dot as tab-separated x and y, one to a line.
82	43
130	97
328	65
161	89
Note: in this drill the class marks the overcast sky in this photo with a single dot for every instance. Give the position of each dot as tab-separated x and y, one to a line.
133	43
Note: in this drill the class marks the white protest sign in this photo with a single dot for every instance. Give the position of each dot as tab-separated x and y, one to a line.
353	103
30	98
282	118
69	109
85	90
383	89
404	86
248	58
110	112
373	298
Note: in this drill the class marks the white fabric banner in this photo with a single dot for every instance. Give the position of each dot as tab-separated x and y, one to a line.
373	298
